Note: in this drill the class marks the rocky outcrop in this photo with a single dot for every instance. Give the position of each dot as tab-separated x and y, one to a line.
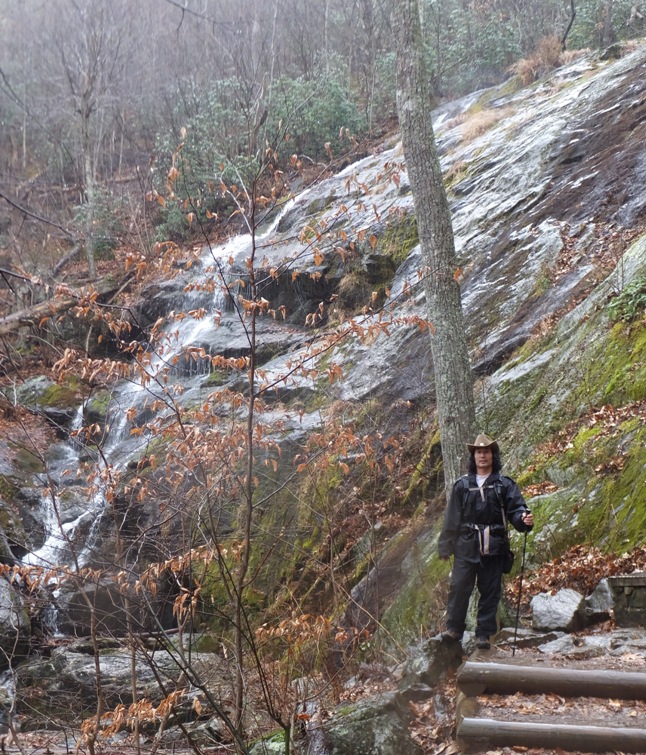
373	725
113	610
65	685
547	229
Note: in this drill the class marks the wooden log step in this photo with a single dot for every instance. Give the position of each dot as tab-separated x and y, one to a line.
477	731
501	678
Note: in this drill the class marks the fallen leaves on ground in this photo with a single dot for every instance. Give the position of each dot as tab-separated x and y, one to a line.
580	568
606	419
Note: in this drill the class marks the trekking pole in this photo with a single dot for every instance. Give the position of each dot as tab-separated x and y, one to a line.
520	593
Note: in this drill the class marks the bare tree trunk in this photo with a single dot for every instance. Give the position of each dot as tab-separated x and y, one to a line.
88	178
569	26
607	30
453	378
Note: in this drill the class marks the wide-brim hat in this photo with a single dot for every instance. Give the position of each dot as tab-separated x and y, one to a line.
483	441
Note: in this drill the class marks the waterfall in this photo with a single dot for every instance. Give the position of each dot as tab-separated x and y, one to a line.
72	525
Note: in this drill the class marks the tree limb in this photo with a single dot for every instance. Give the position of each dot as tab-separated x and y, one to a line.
569	26
33	215
32	316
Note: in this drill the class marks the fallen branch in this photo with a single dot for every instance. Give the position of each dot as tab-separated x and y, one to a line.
64	260
34	315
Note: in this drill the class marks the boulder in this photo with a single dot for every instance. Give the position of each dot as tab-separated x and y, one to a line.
114	611
600	603
274	745
564	611
428	662
524	638
65	685
373	725
629	592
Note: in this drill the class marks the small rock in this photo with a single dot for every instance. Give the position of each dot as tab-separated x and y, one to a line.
600	603
561	611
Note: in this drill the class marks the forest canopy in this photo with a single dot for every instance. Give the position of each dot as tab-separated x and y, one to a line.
97	96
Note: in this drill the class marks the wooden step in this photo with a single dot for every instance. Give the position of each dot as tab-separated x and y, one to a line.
506	679
476	733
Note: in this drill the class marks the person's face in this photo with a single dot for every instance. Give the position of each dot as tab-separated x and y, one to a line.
484	460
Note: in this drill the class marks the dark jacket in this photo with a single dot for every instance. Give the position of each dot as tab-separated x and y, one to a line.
467	516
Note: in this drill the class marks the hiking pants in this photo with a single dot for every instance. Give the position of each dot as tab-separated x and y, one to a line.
487	573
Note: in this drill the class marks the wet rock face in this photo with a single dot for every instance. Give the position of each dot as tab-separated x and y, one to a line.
529	204
599	160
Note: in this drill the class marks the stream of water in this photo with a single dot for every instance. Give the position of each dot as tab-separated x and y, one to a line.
71	510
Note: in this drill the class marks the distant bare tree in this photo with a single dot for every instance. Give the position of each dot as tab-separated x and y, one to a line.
89	40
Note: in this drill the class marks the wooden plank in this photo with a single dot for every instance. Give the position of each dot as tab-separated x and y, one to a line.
564	736
501	678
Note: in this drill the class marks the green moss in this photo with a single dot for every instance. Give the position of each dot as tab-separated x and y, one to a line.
61	395
557	527
399	238
630	303
511	86
427	471
542	285
96	408
615	370
319	205
207	643
216	379
418	603
537	397
622	499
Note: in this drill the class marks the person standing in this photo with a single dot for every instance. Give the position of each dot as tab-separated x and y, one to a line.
475	534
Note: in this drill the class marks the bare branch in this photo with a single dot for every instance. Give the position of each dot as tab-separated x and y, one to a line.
35	216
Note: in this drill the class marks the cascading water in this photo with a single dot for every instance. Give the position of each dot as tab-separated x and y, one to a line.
72	512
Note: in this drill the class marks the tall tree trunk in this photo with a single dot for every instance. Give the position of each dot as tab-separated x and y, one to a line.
607	34
88	177
453	378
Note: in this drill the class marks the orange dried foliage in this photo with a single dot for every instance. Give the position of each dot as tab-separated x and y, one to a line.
581	568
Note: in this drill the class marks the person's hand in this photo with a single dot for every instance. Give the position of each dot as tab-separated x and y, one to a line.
528	518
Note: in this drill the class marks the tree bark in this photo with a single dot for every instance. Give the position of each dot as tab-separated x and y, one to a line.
608	35
32	316
88	176
453	377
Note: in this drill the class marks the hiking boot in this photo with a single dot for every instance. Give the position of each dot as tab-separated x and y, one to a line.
482	643
451	635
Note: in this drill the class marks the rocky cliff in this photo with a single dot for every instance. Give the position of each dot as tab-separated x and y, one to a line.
546	188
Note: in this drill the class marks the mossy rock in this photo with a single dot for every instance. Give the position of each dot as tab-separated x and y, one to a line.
62	395
399	238
96	408
273	744
373	725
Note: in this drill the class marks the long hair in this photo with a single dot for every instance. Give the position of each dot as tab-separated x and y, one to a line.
496	464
